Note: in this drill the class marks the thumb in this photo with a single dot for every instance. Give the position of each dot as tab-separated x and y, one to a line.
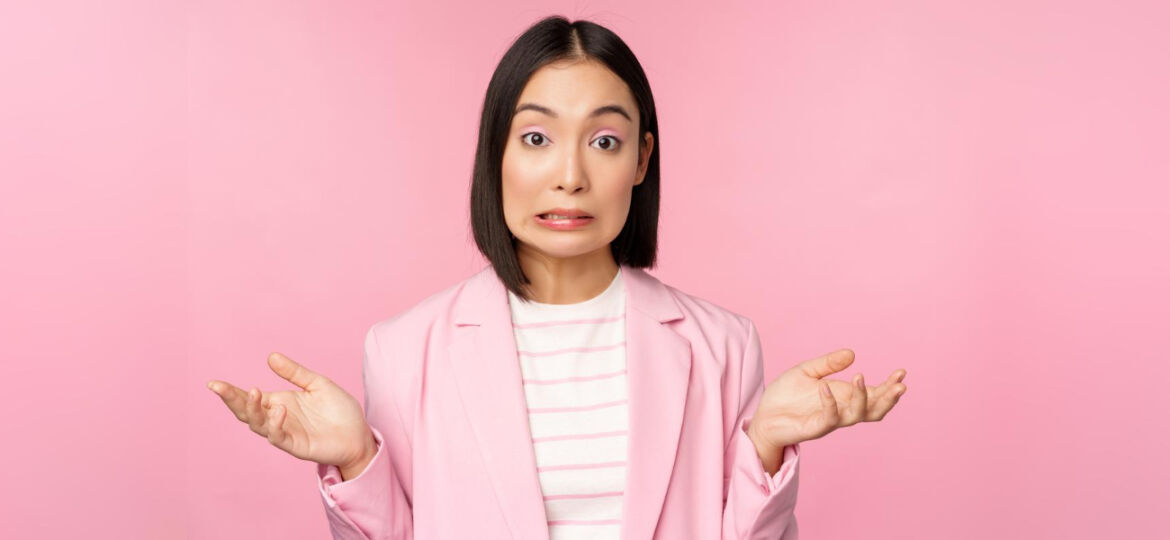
291	371
827	364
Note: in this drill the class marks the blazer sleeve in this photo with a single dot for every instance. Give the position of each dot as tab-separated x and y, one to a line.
757	506
375	504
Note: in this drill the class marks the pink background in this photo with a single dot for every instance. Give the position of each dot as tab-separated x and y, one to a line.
973	191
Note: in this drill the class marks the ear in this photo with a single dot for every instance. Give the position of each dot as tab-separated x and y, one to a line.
644	151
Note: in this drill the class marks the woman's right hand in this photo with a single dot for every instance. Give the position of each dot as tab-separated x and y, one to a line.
320	422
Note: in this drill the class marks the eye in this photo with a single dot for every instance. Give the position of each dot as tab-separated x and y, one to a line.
613	146
539	137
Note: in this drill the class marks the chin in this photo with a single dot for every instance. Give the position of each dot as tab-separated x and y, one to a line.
567	248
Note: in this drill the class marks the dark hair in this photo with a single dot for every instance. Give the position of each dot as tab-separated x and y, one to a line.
550	40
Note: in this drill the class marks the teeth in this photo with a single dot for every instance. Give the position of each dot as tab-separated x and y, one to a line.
555	216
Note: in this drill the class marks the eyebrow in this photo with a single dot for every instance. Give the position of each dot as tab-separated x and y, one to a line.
606	109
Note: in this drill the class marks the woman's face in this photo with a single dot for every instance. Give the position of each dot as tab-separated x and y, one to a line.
563	152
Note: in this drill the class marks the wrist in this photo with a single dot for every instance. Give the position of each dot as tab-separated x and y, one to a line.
770	455
355	467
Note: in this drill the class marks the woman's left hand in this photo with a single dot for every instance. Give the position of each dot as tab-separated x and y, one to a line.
801	405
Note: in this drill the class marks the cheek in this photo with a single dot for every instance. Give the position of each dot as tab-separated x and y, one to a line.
518	187
614	200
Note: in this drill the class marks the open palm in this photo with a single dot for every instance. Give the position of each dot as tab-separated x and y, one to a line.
801	404
319	422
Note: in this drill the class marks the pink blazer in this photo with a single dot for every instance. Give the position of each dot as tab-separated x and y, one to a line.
444	398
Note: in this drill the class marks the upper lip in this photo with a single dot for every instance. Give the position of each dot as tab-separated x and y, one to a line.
570	212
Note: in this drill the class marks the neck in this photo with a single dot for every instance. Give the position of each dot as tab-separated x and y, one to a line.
567	280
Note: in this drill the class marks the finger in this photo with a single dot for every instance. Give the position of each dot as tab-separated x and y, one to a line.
842	392
879	391
255	416
829	414
291	371
887	403
235	398
858	402
276	434
828	364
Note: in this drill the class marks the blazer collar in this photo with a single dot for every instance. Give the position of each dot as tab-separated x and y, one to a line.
481	298
482	354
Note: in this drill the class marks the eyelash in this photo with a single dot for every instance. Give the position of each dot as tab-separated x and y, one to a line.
617	141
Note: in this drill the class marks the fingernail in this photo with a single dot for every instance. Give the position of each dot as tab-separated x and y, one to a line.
825	390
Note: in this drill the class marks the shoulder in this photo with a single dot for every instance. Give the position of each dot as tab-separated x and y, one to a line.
712	321
723	341
709	311
421	316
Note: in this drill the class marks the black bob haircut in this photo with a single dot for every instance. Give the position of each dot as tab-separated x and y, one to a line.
550	40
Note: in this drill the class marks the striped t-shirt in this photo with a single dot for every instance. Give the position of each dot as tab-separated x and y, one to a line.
573	360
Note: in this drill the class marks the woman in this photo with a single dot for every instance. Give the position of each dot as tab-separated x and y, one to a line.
562	391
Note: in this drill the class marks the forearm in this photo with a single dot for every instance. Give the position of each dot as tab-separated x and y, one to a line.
759	500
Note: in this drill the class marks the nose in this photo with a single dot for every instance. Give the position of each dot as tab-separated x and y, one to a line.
574	178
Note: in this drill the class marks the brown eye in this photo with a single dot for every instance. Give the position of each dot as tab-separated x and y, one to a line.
535	136
612	146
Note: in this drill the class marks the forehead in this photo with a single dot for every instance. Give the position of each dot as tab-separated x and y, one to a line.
575	88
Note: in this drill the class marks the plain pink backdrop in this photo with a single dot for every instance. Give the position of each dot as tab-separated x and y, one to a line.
973	191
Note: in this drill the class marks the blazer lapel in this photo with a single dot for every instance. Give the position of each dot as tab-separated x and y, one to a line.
483	359
487	372
659	364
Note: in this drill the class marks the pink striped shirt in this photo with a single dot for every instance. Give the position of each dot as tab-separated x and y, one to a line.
573	360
